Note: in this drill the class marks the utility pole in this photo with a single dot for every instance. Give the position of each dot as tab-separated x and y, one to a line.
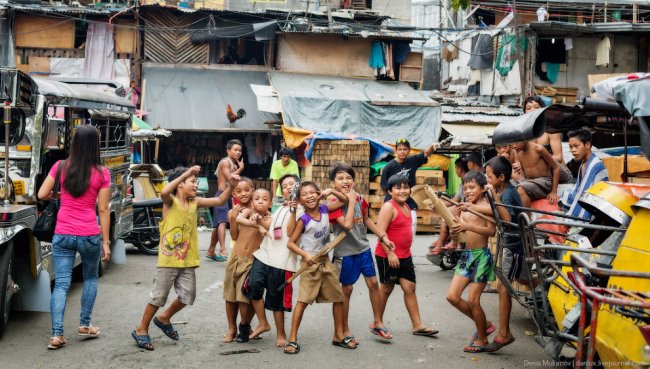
329	15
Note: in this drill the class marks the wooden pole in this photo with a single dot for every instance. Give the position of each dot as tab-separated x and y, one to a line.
331	245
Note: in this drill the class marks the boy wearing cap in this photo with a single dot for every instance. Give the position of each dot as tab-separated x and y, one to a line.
401	162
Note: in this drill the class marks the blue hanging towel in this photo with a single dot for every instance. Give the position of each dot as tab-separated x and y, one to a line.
376	56
552	70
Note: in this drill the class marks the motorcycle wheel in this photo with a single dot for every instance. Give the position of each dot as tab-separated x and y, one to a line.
148	242
6	261
448	261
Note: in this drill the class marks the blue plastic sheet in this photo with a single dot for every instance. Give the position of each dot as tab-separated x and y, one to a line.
378	150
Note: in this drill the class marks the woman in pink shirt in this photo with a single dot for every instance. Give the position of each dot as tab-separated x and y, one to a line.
85	186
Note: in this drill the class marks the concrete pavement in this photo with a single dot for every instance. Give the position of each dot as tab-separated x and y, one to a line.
123	293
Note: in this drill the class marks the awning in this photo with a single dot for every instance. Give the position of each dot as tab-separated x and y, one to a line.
140	124
474	133
384	111
196	98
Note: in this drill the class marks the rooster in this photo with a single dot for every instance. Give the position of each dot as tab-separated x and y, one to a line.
232	117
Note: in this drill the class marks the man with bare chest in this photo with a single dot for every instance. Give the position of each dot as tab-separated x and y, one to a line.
233	164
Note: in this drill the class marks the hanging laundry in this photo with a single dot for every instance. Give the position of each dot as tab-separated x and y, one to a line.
602	52
568	43
376	56
508	54
482	55
552	70
390	73
497	85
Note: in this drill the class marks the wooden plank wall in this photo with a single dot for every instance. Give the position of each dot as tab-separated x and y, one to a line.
43	32
167	39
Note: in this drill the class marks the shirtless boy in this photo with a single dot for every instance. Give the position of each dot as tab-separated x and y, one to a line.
253	225
231	164
475	267
540	171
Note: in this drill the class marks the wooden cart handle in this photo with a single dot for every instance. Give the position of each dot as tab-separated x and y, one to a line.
444	212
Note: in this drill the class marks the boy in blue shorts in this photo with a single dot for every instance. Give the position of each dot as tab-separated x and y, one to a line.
353	255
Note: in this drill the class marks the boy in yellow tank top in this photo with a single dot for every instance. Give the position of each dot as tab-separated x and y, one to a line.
178	253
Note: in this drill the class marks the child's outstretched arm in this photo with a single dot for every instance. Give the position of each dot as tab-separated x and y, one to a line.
222	198
331	206
166	193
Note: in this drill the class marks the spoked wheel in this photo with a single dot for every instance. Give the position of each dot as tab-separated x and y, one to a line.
6	283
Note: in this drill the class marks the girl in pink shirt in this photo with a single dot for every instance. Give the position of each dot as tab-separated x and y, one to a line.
85	185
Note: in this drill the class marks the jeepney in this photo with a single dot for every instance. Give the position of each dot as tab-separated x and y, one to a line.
42	117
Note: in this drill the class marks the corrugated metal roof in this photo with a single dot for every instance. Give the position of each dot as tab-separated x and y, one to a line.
395	35
555	28
475	118
62	9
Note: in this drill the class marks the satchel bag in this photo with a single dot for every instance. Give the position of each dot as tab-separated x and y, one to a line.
46	222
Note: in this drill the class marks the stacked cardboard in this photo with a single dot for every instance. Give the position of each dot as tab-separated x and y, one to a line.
428	221
327	152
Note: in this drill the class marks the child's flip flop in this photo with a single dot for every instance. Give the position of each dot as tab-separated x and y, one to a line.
491	329
168	329
474	349
251	351
426	332
496	344
381	332
294	345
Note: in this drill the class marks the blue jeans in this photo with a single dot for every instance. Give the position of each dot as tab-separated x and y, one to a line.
64	250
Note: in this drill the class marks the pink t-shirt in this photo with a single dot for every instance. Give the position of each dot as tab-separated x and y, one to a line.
78	216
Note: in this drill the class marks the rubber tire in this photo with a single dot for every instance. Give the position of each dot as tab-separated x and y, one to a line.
444	265
6	261
140	245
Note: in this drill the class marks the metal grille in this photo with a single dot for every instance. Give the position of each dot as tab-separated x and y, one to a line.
112	134
24	166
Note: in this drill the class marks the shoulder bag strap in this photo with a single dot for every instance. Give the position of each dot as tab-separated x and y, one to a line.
57	180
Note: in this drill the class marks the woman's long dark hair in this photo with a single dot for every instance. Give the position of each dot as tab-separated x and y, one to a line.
84	156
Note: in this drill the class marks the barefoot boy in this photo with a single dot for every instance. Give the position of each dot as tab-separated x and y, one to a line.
178	254
253	225
353	254
243	193
233	164
540	171
274	263
475	267
498	171
395	265
320	281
